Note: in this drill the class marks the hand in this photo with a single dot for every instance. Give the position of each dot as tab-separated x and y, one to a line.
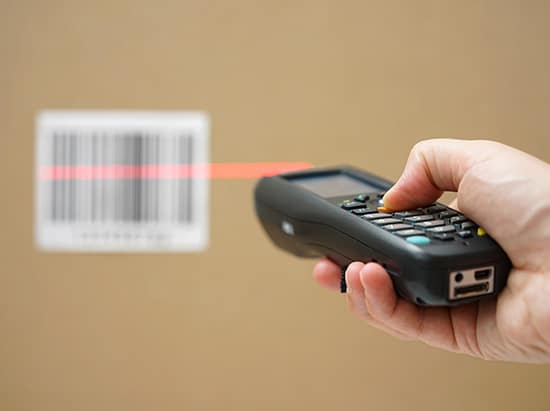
507	192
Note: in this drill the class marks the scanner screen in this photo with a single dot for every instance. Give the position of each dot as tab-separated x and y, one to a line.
334	185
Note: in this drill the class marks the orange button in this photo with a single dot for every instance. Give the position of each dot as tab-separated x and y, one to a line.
383	209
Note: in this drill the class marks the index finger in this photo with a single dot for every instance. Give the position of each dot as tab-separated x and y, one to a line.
433	166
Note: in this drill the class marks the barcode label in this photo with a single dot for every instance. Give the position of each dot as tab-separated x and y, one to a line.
122	181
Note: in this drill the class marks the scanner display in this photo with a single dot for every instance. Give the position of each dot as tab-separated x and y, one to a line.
334	184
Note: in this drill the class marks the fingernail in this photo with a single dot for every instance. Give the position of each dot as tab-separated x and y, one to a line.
348	288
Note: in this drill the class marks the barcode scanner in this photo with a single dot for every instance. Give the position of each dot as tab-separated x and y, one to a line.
435	255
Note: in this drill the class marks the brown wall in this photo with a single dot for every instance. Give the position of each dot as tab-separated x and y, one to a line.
242	326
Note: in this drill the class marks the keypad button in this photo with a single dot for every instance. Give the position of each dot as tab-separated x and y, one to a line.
381	194
384	221
458	219
419	218
442	229
397	227
362	198
418	240
350	205
466	225
481	232
444	236
406	233
447	214
465	234
434	209
376	216
432	223
409	213
362	211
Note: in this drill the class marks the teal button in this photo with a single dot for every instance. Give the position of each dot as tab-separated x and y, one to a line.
418	239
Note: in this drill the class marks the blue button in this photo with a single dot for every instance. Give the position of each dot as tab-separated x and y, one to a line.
418	239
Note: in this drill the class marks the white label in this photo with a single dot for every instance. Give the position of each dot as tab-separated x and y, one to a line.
121	181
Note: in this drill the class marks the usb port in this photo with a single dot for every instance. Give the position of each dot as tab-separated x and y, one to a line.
469	289
483	274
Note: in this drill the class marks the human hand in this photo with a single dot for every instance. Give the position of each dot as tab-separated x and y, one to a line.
507	192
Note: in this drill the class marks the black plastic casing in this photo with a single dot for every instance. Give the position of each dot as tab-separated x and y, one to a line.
420	273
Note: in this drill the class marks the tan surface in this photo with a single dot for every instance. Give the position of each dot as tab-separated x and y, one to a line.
242	326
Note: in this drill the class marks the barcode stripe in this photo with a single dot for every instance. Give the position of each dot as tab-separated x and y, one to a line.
182	182
65	190
127	200
189	160
70	208
52	211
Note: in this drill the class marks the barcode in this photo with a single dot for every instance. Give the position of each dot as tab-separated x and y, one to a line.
119	197
122	181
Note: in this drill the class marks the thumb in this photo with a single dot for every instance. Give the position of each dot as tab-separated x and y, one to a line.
433	166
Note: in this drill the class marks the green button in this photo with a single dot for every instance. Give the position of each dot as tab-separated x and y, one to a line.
418	239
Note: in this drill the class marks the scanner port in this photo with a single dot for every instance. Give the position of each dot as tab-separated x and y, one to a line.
483	274
471	282
475	288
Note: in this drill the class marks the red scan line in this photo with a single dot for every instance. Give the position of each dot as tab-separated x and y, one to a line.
169	171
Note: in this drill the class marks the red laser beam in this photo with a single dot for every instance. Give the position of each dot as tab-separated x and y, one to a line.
169	171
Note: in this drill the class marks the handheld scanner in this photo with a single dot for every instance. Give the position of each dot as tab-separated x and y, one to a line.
435	255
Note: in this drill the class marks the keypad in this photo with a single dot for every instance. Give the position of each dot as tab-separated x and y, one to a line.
466	225
350	205
442	229
418	240
407	233
362	211
420	226
397	227
403	214
464	234
384	221
419	218
457	219
432	223
376	216
435	209
447	214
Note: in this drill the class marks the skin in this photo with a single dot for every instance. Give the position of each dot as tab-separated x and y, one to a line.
507	192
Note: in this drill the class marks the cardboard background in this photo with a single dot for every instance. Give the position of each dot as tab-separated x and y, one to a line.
243	326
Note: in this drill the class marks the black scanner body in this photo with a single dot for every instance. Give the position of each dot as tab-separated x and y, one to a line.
311	226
